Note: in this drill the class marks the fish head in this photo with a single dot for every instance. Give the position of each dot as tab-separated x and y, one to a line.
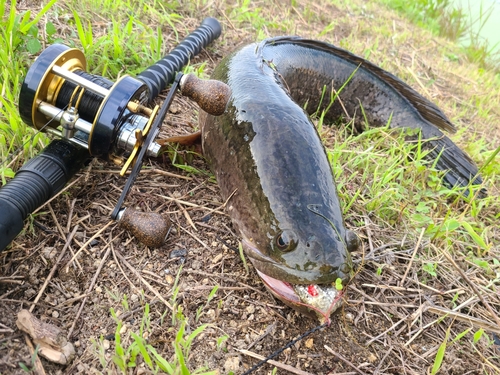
306	266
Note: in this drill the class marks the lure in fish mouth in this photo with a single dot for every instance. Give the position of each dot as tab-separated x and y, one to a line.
273	170
321	300
310	299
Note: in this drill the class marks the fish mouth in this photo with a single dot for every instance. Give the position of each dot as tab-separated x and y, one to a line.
311	299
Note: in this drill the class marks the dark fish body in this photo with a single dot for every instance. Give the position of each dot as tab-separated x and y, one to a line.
268	158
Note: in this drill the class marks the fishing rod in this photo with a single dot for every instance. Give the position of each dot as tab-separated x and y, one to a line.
94	117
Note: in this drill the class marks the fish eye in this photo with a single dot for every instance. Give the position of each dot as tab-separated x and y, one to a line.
352	241
286	241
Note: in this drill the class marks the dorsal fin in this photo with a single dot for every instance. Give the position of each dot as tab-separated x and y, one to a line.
428	110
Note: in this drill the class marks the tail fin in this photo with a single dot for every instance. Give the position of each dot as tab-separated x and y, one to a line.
459	168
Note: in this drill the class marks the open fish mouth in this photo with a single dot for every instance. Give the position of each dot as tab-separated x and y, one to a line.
322	300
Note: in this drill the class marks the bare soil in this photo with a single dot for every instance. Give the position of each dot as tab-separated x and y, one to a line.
391	323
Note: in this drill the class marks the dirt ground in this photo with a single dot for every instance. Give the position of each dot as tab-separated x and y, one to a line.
391	323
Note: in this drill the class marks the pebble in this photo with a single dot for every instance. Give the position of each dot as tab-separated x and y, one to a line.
49	252
169	279
349	317
106	344
123	329
309	343
134	297
217	258
232	364
178	253
98	289
55	314
250	309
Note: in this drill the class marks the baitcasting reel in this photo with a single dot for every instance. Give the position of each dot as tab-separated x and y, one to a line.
108	119
94	117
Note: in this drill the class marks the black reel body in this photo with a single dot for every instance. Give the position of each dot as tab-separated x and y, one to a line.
108	119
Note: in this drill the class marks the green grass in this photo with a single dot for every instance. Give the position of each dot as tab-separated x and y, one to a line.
132	348
19	36
442	18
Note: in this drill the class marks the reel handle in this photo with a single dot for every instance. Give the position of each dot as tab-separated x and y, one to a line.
159	75
211	95
150	228
35	183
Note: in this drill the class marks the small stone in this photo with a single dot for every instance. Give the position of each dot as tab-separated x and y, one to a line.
169	279
80	368
55	314
250	309
210	314
372	358
217	258
106	344
49	252
29	293
178	253
123	329
349	317
98	289
232	364
77	344
309	343
134	297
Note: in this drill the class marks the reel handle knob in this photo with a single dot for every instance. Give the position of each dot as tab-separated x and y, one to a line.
211	95
150	228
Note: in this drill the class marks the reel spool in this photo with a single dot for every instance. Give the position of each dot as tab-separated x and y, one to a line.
108	119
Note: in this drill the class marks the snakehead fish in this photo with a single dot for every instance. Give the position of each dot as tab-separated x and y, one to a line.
269	161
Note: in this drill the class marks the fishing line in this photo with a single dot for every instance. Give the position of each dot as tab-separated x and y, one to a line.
279	351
